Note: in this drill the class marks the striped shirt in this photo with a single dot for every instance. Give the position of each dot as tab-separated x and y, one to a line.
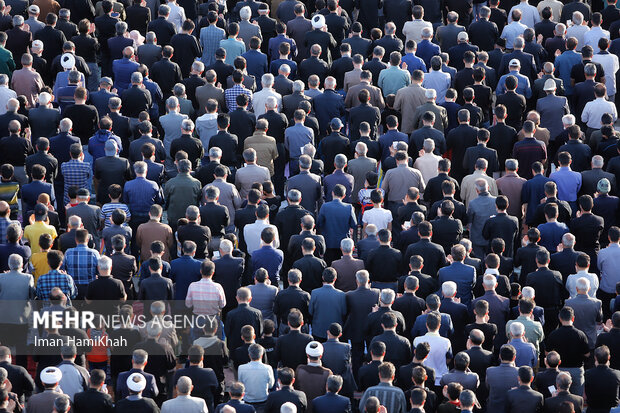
107	209
390	396
206	297
52	279
4	224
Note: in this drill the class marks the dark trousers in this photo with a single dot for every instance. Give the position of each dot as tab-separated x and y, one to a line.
134	223
551	319
605	298
357	356
15	335
332	254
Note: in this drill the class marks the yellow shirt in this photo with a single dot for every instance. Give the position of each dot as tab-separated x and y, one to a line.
39	262
34	231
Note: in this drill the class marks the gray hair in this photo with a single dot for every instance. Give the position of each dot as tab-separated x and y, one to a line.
198	66
74	221
226	246
121	28
448	288
245	13
12	105
187	125
298	86
361	148
153	329
309	150
568	240
294	195
489	281
583	284
184	385
172	102
267	80
192	213
512	164
65	125
288	407
517	329
284	68
485	12
4	79
528	292
184	166
428	145
568	120
139	356
105	263
340	161
577	18
362	277
330	83
151	37
212	192
346	245
215	152
481	185
271	101
563	381
597	161
255	351
371	229
136	77
518	43
179	90
589	69
140	167
15	262
114	103
387	296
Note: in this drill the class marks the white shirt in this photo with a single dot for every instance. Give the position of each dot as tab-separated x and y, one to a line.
379	217
592	37
5	95
260	99
556	8
177	15
593	110
440	350
413	29
610	65
427	165
529	14
571	283
577	32
251	233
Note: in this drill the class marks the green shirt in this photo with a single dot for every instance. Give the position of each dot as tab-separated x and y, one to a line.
533	330
7	65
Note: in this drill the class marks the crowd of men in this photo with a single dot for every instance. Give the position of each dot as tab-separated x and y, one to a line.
376	205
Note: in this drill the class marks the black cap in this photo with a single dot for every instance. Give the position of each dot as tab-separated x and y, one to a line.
40	210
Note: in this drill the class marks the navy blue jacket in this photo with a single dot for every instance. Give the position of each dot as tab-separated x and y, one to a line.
331	403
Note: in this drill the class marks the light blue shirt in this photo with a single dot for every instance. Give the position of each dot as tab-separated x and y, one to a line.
210	38
608	261
234	48
563	65
257	379
295	137
511	32
523	84
392	79
568	182
438	81
529	14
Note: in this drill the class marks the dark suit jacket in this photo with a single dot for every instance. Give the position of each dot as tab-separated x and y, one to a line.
138	18
228	272
523	398
291	349
241	316
552	404
528	64
93	401
483	33
199	234
480	151
286	394
433	254
331	403
397	348
359	305
164	30
447	232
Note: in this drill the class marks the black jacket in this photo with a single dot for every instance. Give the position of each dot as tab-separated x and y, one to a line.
483	33
502	226
364	113
291	348
359	305
138	18
241	316
502	139
433	254
166	74
164	30
447	232
549	288
311	269
276	399
228	272
325	40
313	66
459	139
199	234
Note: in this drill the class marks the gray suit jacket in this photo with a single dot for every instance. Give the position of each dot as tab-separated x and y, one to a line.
16	289
90	215
246	176
467	379
588	313
248	30
311	190
186	404
551	109
263	297
347	267
148	54
479	211
499	380
208	91
359	167
229	197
